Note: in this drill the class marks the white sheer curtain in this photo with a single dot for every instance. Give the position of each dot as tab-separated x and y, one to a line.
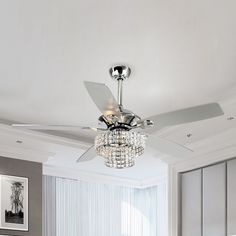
49	206
91	209
67	207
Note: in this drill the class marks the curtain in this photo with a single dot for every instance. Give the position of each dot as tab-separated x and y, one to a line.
67	207
49	206
91	209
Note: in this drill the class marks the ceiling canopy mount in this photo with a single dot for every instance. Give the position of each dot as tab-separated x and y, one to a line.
120	72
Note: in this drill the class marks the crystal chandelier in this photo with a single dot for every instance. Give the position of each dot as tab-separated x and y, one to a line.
120	147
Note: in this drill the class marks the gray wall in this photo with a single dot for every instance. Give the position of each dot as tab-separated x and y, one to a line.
33	171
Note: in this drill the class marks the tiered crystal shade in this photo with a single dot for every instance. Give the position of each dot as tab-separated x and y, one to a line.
120	147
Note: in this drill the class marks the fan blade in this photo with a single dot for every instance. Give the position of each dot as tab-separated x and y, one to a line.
88	155
102	97
53	127
168	147
187	115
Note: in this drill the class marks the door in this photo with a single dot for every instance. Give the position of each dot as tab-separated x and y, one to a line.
214	200
191	203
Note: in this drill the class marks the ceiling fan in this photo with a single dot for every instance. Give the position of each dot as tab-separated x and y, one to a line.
118	138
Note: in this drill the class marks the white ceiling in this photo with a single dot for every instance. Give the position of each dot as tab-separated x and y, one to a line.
182	53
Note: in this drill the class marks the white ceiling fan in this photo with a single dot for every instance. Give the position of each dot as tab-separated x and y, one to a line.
119	139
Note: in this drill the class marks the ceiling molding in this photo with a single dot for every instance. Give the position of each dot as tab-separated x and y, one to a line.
101	178
18	151
211	150
88	176
215	149
43	137
24	154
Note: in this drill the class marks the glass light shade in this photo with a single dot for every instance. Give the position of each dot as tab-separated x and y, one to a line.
120	147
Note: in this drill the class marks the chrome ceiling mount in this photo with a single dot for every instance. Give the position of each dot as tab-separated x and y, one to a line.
120	72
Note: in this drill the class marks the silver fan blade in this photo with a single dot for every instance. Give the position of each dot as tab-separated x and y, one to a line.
187	115
53	127
88	155
168	147
102	97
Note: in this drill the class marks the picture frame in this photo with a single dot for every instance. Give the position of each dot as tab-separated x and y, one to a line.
14	203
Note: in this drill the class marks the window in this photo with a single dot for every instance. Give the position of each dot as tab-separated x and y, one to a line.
91	209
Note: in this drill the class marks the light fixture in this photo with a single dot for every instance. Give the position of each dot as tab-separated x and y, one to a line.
118	138
230	118
20	142
120	147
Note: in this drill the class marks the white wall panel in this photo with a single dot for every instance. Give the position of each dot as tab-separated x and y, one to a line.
231	197
191	203
214	200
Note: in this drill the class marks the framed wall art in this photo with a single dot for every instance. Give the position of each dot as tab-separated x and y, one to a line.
13	203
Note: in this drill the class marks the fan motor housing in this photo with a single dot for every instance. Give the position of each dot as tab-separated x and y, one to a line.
126	120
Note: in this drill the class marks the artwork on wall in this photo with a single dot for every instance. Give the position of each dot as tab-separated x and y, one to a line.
13	203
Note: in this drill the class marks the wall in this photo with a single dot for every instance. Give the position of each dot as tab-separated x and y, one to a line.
33	171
